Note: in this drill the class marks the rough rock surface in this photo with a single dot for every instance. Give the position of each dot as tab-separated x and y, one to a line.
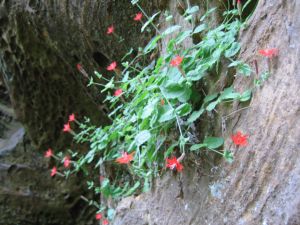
262	185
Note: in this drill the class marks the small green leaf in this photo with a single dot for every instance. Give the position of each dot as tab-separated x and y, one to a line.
207	13
132	189
192	10
152	44
228	156
142	137
246	96
111	214
171	29
195	115
149	21
212	106
200	28
213	142
182	36
169	114
209	98
233	50
184	109
173	90
197	147
147	111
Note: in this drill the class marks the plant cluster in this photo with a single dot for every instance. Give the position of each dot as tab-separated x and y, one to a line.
153	107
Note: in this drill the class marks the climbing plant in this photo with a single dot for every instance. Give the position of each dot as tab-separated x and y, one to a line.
153	106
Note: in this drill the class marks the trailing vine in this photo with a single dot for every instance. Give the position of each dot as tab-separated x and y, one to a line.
153	107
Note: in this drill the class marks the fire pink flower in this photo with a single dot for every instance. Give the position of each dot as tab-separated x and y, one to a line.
118	92
176	61
105	222
98	216
239	139
79	66
53	171
112	66
269	53
48	153
162	102
125	158
67	127
72	117
110	29
173	163
67	161
138	16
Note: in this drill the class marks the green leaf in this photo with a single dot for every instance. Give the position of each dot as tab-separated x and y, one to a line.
171	29
174	90
228	156
152	44
192	10
168	114
186	95
195	115
142	137
132	189
147	111
209	98
196	74
111	214
241	67
184	109
213	142
212	106
229	93
246	96
200	28
197	146
182	36
233	50
171	46
207	13
133	2
149	21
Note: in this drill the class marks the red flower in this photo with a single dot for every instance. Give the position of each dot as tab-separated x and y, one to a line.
67	161
125	159
268	52
138	16
53	171
239	139
105	222
118	92
110	29
101	178
48	153
98	216
67	127
176	61
72	117
162	102
79	66
238	1
112	66
172	163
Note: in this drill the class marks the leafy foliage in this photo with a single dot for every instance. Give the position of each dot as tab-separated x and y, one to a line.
153	114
